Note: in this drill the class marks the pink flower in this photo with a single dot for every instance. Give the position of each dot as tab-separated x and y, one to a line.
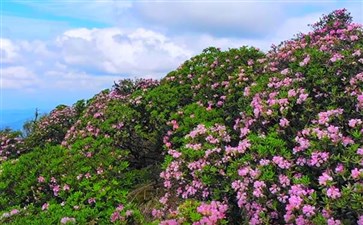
120	207
91	201
97	115
354	122
285	71
333	129
360	220
326	213
56	190
294	202
333	192
336	57
360	151
301	221
305	61
284	122
347	141
324	178
45	206
99	170
356	173
174	153
65	220
246	91
41	179
13	212
175	124
66	187
79	176
308	210
331	221
274	189
157	213
318	158
302	98
281	162
258	185
339	168
304	144
360	100
115	216
291	93
128	213
284	180
357	53
244	171
354	38
169	222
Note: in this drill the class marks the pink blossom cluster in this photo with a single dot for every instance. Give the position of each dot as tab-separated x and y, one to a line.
121	214
66	220
11	145
212	213
9	214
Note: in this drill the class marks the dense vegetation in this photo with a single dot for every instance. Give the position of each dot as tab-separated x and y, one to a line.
230	137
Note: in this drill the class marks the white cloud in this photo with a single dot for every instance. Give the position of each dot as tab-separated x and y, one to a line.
285	31
93	58
9	51
219	18
88	59
295	25
78	81
117	51
19	78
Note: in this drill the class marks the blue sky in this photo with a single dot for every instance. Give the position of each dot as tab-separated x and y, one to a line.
56	52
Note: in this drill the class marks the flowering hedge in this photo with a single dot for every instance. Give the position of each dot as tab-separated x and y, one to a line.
294	153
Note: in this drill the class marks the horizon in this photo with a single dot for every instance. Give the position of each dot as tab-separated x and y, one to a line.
52	56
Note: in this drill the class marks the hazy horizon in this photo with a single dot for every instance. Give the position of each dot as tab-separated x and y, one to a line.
15	118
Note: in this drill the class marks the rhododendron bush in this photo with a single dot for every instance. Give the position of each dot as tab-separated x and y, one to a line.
11	145
230	137
294	151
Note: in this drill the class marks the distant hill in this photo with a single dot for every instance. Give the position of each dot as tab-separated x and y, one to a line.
15	118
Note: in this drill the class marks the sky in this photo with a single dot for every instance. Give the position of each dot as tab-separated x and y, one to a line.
60	51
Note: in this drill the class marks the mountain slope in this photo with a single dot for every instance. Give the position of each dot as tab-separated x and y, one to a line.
237	136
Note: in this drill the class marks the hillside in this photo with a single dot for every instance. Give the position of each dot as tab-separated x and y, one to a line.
229	137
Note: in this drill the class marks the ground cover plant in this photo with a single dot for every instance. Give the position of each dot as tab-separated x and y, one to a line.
229	137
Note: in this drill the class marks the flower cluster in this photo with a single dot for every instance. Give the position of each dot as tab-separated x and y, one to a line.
53	127
11	145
